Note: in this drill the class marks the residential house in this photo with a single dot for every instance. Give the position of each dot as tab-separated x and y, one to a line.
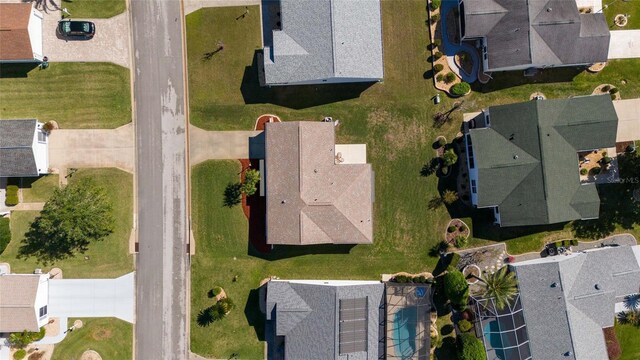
24	148
315	319
320	41
23	302
521	34
523	158
567	301
20	33
317	192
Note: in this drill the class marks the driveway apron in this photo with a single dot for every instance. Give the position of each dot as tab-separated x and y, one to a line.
92	297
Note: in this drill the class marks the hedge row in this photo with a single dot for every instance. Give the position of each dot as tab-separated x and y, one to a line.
12	196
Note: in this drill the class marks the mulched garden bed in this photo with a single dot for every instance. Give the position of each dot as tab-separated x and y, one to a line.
613	346
461	229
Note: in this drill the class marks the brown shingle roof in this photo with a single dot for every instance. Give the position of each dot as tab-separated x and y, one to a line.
15	43
311	199
17	301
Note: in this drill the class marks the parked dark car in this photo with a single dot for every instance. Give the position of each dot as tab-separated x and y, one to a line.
77	29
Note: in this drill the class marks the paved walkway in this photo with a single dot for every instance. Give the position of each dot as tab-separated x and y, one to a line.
93	298
625	44
220	145
92	148
193	5
110	43
628	112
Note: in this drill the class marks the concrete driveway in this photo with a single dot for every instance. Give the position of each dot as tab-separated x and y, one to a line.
110	43
92	148
625	44
628	112
93	298
219	145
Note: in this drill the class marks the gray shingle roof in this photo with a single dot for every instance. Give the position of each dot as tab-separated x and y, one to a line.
310	198
536	32
571	315
322	39
16	153
307	315
527	159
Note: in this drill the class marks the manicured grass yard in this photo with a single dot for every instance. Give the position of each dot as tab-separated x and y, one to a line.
394	119
110	337
88	9
629	7
628	336
38	189
108	258
76	95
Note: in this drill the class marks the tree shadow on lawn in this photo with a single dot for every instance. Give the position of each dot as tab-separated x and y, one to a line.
255	317
507	79
298	96
16	70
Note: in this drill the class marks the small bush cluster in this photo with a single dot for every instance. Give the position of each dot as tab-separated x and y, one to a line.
437	55
566	243
435	4
214	292
434	18
460	89
20	354
464	325
584	171
451	229
436	44
22	339
251	179
12	196
449	157
613	91
606	88
460	241
456	289
595	170
440	78
437	68
449	78
405	279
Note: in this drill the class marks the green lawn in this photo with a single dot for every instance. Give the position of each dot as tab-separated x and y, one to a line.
106	259
628	7
38	189
628	336
112	338
76	95
5	233
89	9
394	119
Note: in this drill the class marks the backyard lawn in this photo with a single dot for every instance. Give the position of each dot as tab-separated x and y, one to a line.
110	337
393	118
626	7
628	336
105	259
89	9
76	95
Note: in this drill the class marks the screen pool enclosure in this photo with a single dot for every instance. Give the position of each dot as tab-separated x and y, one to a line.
503	331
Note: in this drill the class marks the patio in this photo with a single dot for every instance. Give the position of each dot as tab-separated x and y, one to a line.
408	321
597	171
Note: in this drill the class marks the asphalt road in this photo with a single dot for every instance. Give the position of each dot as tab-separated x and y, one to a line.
162	263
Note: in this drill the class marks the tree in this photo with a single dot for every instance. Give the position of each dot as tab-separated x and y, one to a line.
470	347
449	197
501	286
631	317
232	194
456	288
449	157
251	179
632	302
74	217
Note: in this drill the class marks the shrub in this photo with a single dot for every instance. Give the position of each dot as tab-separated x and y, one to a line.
606	160
437	68
606	88
460	89
460	241
5	234
584	171
232	194
436	43
435	4
441	140
434	18
251	179
214	292
613	91
470	347
440	78
446	329
437	55
449	197
613	96
22	339
11	196
451	229
464	325
20	354
595	170
456	288
449	78
573	242
449	157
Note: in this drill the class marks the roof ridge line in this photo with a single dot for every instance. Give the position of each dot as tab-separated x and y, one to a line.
333	38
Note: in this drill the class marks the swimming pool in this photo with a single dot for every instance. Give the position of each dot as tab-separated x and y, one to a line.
494	340
404	331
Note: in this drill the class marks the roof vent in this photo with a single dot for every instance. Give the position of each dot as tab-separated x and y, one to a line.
568	353
549	9
515	157
555	284
315	171
284	201
597	286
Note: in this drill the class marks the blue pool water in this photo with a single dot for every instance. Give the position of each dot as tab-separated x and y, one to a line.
421	292
450	48
404	331
492	336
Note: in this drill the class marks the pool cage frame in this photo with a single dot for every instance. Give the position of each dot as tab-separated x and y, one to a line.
405	297
512	318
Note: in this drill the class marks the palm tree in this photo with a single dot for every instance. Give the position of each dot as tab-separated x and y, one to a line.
629	317
501	286
632	302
